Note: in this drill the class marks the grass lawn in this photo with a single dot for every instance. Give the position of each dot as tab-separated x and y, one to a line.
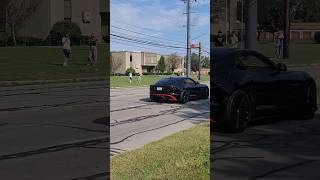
300	52
184	155
45	63
123	81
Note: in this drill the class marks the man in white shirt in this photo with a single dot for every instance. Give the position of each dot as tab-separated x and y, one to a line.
66	47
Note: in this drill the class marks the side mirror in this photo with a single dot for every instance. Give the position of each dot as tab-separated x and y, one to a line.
197	82
281	67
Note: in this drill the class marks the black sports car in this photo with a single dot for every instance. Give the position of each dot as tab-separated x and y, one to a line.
178	89
245	85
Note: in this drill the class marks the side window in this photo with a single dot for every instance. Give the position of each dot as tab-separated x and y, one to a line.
250	62
189	82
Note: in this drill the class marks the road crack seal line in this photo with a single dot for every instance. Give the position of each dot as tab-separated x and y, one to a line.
54	91
56	148
122	140
92	177
283	168
42	107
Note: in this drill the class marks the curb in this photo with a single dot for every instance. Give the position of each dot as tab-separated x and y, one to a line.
39	82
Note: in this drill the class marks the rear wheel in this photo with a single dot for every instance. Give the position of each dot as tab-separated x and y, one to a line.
184	97
238	112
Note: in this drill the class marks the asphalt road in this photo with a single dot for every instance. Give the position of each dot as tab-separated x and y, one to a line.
54	131
270	149
135	121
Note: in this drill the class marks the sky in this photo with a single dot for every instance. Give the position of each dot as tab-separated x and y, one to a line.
158	25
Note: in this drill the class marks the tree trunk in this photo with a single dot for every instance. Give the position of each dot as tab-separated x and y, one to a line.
259	35
13	34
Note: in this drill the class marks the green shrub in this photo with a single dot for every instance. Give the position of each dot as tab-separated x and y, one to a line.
61	28
317	37
106	39
84	40
32	41
130	70
4	37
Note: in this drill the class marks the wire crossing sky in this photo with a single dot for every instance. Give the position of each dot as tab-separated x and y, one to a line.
157	25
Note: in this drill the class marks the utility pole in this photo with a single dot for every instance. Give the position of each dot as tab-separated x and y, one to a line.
251	24
199	62
226	20
286	31
188	63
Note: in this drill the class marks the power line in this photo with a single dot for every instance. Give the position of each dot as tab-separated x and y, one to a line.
148	29
124	29
139	36
146	42
146	47
143	44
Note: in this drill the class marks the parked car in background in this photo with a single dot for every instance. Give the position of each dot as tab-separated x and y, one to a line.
245	85
178	89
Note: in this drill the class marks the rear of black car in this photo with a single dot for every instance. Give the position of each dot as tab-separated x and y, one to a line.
167	89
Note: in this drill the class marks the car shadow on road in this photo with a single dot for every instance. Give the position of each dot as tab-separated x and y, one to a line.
280	148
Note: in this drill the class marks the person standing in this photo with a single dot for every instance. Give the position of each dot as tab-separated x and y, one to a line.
279	45
66	48
234	40
219	40
139	78
130	77
93	51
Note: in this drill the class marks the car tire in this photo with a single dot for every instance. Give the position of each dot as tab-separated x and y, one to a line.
184	97
309	106
238	112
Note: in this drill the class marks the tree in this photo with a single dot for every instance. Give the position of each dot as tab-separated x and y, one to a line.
194	62
270	16
115	65
306	10
173	62
161	65
17	12
205	62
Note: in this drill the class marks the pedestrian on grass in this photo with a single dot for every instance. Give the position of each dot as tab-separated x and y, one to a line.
139	78
66	48
130	77
93	51
279	46
234	40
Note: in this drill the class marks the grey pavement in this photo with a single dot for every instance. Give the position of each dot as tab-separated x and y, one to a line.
134	121
55	131
273	148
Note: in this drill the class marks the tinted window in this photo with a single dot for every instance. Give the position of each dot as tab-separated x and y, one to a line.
251	62
189	82
167	81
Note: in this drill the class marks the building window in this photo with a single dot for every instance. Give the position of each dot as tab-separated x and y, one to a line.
130	58
2	17
67	10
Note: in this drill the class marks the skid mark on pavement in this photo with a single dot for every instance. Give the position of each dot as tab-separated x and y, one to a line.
55	148
134	134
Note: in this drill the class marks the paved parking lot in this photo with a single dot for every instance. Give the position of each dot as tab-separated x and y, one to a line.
56	131
135	121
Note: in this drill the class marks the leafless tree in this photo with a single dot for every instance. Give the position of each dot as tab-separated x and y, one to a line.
115	64
173	62
17	12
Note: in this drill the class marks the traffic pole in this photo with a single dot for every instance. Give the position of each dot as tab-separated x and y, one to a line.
188	63
286	31
199	62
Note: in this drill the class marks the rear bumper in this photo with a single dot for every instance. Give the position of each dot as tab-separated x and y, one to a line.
165	97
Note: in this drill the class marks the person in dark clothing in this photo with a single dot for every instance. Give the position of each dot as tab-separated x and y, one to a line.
219	40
